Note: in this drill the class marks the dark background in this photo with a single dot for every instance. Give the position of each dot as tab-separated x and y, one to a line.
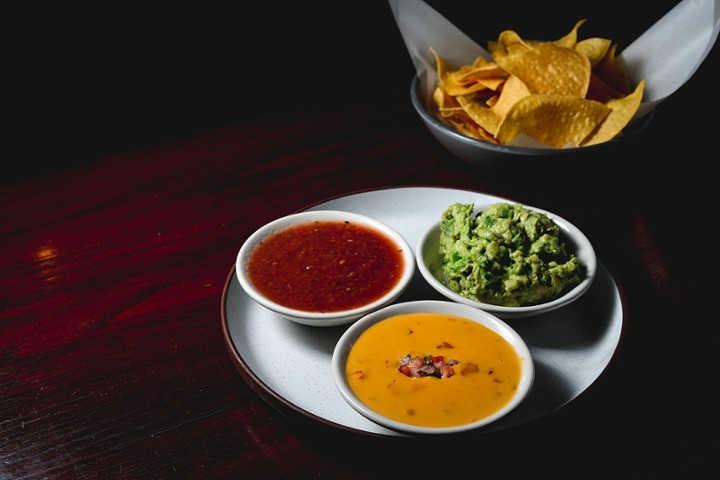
88	83
91	82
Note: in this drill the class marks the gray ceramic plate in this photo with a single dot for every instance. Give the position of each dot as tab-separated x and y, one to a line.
288	364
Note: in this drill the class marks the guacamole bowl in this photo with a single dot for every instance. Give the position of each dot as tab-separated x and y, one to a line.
324	267
535	276
480	153
432	367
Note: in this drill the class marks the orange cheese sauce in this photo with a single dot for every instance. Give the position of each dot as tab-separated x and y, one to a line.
467	396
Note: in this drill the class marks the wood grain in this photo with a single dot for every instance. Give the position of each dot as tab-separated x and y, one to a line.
112	359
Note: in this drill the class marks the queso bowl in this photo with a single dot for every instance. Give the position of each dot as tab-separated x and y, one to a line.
324	268
494	372
430	264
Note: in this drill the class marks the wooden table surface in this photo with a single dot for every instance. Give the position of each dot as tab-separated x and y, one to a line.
119	228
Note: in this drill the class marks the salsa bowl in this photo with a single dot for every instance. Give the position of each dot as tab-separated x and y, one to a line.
325	267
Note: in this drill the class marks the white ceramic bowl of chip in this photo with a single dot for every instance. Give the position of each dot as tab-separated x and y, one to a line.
319	318
485	154
349	338
429	262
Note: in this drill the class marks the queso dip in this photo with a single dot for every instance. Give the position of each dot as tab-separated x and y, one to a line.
433	370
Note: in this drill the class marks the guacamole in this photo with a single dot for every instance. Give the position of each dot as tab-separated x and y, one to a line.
505	255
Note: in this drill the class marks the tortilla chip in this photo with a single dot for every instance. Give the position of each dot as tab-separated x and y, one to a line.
560	93
554	120
551	70
569	40
513	90
485	117
622	111
594	48
609	70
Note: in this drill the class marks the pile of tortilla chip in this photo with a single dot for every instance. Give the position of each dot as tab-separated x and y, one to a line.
562	93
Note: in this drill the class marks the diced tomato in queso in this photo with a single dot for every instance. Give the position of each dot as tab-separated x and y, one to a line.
428	366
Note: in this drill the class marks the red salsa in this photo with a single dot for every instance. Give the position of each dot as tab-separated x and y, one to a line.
326	266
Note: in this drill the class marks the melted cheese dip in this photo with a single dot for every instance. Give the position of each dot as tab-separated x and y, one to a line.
485	378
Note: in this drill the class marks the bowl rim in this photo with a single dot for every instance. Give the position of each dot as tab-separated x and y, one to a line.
420	103
323	318
582	247
347	339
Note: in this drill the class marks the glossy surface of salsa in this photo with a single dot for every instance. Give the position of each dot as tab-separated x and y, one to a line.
326	266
